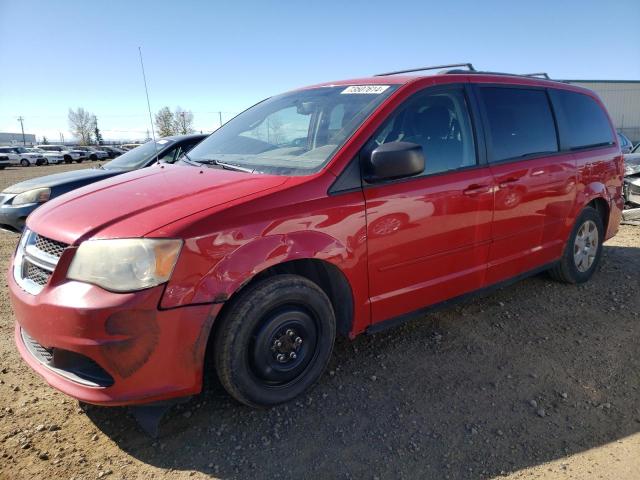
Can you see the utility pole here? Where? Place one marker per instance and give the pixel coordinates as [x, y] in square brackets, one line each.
[184, 125]
[21, 119]
[220, 117]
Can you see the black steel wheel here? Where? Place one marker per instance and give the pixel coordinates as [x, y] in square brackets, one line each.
[274, 340]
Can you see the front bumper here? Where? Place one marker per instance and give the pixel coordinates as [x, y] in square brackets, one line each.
[148, 354]
[13, 219]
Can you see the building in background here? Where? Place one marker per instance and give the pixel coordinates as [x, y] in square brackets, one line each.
[16, 138]
[622, 99]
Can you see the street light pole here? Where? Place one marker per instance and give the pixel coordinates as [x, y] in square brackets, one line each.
[21, 119]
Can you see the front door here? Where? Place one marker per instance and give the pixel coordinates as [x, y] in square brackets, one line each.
[428, 236]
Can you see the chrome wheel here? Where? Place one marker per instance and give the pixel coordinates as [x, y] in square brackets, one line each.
[585, 246]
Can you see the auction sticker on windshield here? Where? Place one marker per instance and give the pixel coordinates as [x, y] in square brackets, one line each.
[366, 89]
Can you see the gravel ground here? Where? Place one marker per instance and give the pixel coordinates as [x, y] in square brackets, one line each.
[538, 380]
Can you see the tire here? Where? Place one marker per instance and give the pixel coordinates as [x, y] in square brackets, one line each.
[25, 163]
[67, 159]
[46, 162]
[578, 269]
[2, 168]
[79, 160]
[93, 158]
[285, 315]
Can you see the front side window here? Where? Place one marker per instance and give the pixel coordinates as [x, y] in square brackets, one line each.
[583, 123]
[438, 121]
[140, 156]
[520, 123]
[296, 133]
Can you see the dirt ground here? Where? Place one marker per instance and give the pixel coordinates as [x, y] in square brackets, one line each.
[538, 380]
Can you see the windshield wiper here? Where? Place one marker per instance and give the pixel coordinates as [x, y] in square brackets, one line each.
[228, 166]
[188, 160]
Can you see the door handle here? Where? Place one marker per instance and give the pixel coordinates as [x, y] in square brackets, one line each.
[476, 189]
[505, 182]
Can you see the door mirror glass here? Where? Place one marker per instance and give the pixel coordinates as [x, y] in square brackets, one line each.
[394, 160]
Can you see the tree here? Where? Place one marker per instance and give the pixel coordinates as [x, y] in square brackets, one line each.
[184, 121]
[178, 122]
[44, 140]
[165, 122]
[96, 131]
[81, 125]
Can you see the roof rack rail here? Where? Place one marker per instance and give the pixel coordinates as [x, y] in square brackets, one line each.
[435, 67]
[537, 74]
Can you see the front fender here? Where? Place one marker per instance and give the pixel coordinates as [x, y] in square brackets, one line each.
[212, 268]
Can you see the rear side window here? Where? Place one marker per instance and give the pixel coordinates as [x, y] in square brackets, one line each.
[520, 123]
[582, 122]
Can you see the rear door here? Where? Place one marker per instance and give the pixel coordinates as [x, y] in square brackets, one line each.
[535, 182]
[428, 236]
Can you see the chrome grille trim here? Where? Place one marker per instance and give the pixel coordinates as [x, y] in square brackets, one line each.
[35, 260]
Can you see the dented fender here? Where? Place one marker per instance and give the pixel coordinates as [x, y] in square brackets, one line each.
[230, 268]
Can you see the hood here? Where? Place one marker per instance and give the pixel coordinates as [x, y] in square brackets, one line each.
[138, 202]
[60, 179]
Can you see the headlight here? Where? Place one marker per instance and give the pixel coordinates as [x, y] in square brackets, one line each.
[125, 265]
[38, 195]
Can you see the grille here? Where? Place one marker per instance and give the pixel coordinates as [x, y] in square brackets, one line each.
[52, 247]
[71, 365]
[36, 274]
[41, 353]
[35, 260]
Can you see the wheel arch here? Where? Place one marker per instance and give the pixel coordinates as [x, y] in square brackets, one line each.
[602, 207]
[331, 280]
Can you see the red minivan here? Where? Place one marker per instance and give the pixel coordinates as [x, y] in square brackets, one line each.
[336, 209]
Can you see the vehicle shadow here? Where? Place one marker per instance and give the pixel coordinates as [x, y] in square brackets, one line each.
[533, 373]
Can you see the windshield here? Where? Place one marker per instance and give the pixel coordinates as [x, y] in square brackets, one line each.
[296, 133]
[636, 149]
[139, 156]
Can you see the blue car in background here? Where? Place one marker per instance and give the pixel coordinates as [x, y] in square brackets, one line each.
[20, 199]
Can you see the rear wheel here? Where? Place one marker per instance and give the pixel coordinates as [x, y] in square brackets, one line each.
[24, 162]
[274, 341]
[583, 250]
[67, 159]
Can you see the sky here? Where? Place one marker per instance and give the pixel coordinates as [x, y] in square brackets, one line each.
[211, 56]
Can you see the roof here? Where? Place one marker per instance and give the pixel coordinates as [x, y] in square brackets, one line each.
[602, 81]
[474, 76]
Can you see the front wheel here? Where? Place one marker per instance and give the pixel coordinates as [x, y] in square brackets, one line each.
[79, 160]
[583, 250]
[24, 162]
[274, 341]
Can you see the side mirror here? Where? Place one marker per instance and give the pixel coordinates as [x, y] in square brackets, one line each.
[394, 160]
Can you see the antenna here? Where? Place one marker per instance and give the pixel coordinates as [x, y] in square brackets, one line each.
[146, 90]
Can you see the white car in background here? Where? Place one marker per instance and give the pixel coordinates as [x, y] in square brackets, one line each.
[69, 155]
[51, 158]
[22, 156]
